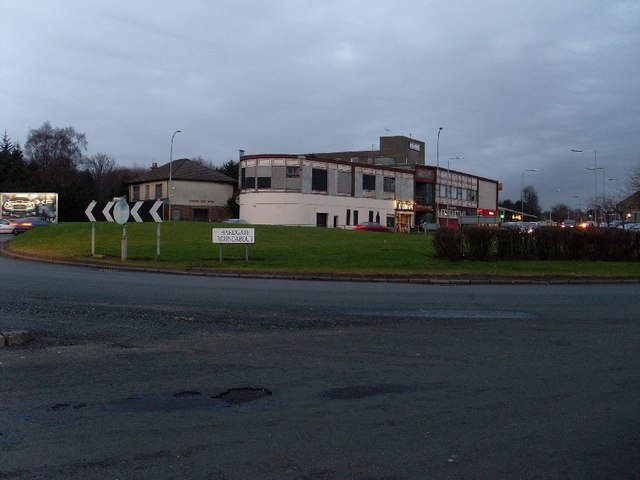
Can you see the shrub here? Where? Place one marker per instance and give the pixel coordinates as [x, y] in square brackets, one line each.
[509, 244]
[479, 242]
[548, 243]
[449, 243]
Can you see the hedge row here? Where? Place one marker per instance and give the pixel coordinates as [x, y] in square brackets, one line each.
[544, 243]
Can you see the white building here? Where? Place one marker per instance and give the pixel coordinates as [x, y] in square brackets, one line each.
[314, 191]
[391, 186]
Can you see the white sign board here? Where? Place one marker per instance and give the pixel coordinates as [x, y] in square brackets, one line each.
[234, 235]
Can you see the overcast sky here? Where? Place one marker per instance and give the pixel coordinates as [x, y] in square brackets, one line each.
[515, 84]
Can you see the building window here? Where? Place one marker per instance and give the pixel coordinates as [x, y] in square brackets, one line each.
[355, 217]
[264, 182]
[200, 214]
[249, 182]
[348, 217]
[368, 182]
[136, 193]
[147, 194]
[319, 180]
[293, 172]
[159, 190]
[371, 215]
[389, 184]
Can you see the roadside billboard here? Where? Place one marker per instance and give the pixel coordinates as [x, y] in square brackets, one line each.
[29, 204]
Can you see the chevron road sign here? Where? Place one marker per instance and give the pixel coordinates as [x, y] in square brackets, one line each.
[141, 211]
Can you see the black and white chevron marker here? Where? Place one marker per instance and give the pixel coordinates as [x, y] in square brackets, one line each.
[141, 211]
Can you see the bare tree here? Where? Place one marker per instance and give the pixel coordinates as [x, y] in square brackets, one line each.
[633, 180]
[55, 153]
[102, 169]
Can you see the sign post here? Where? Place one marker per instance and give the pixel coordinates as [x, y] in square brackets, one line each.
[121, 211]
[225, 236]
[121, 215]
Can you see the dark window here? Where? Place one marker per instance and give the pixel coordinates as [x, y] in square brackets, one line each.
[264, 182]
[246, 182]
[355, 217]
[319, 180]
[348, 217]
[321, 219]
[293, 172]
[136, 192]
[369, 182]
[371, 215]
[158, 191]
[389, 184]
[201, 214]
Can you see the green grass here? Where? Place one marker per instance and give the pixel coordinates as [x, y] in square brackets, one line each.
[303, 250]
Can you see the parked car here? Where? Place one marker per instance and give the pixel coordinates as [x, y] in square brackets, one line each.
[372, 227]
[527, 227]
[6, 226]
[27, 223]
[234, 220]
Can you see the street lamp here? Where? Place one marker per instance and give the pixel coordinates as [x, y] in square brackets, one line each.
[522, 189]
[437, 174]
[449, 185]
[603, 187]
[595, 167]
[171, 171]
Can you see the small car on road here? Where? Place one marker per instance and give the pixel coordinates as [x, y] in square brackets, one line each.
[27, 223]
[6, 226]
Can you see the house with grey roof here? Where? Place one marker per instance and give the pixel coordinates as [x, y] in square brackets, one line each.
[191, 191]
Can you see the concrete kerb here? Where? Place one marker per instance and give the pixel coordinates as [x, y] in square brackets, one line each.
[425, 280]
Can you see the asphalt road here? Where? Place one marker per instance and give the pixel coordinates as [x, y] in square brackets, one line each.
[136, 375]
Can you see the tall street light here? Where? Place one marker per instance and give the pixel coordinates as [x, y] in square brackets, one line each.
[604, 200]
[595, 167]
[522, 189]
[171, 171]
[437, 174]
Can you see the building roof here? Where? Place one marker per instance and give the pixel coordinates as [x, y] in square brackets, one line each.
[632, 202]
[183, 169]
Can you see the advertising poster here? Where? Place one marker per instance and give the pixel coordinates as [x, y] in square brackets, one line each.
[20, 205]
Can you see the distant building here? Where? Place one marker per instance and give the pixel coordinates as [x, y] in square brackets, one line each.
[391, 186]
[197, 192]
[629, 208]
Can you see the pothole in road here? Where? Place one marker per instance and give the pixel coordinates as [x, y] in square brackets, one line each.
[188, 399]
[236, 396]
[362, 391]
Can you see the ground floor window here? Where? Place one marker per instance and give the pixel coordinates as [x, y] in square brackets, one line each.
[321, 219]
[200, 214]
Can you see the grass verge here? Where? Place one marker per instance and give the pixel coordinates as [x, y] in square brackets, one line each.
[279, 250]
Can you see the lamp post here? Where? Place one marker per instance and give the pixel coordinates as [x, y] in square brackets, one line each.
[595, 167]
[522, 189]
[171, 172]
[595, 172]
[437, 175]
[449, 185]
